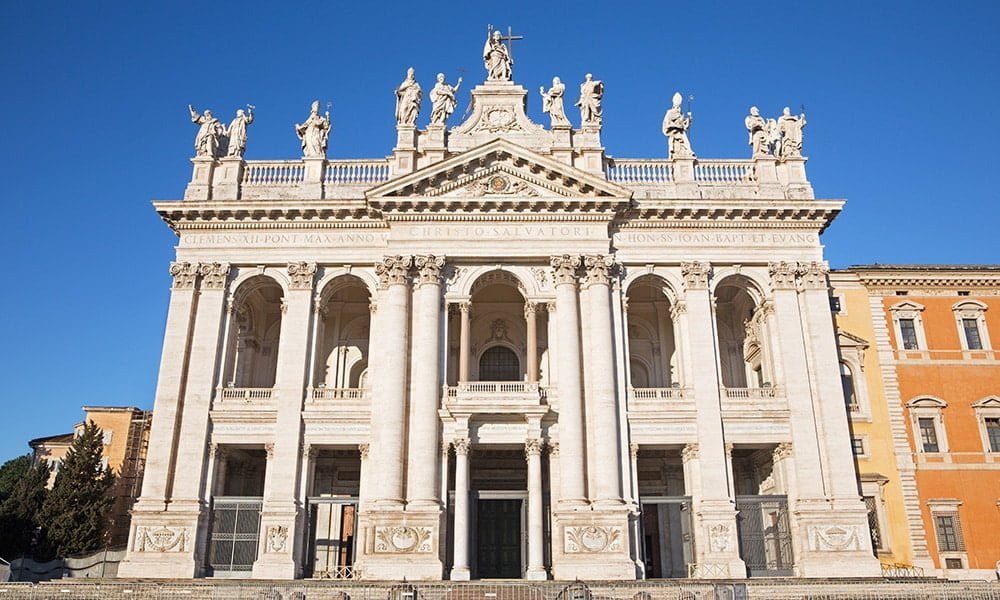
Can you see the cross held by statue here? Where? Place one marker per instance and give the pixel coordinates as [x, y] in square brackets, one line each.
[509, 38]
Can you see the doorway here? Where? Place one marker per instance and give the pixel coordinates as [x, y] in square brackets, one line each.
[498, 535]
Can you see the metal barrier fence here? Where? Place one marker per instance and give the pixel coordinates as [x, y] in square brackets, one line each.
[770, 589]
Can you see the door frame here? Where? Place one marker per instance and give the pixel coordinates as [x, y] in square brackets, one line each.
[658, 501]
[478, 495]
[309, 564]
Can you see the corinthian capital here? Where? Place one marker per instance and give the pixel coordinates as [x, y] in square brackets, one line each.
[184, 274]
[564, 268]
[302, 275]
[213, 275]
[393, 270]
[532, 447]
[695, 275]
[429, 268]
[782, 275]
[599, 268]
[462, 445]
[813, 274]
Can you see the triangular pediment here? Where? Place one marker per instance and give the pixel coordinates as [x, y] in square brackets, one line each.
[496, 174]
[846, 339]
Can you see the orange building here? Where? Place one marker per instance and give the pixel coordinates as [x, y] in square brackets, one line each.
[126, 437]
[934, 326]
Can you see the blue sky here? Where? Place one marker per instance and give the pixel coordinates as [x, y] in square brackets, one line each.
[901, 100]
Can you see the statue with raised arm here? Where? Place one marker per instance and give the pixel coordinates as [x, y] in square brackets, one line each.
[757, 132]
[314, 133]
[497, 59]
[237, 132]
[675, 127]
[791, 133]
[552, 102]
[211, 134]
[408, 96]
[443, 101]
[591, 94]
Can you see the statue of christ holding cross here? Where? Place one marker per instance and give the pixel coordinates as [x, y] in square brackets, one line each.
[497, 57]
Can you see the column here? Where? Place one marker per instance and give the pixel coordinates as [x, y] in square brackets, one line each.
[536, 534]
[460, 568]
[714, 509]
[570, 386]
[169, 387]
[530, 308]
[606, 434]
[425, 388]
[188, 490]
[389, 383]
[463, 341]
[283, 506]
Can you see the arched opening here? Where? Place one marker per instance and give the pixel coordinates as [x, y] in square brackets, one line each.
[499, 363]
[850, 391]
[343, 331]
[252, 355]
[744, 358]
[653, 357]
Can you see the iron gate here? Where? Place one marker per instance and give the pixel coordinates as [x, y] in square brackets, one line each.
[235, 534]
[765, 538]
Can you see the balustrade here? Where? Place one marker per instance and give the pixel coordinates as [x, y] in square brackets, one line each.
[725, 172]
[273, 172]
[638, 171]
[325, 393]
[246, 394]
[344, 172]
[752, 393]
[657, 393]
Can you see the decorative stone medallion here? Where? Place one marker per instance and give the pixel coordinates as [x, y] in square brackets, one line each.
[277, 538]
[719, 538]
[592, 539]
[497, 119]
[403, 540]
[835, 538]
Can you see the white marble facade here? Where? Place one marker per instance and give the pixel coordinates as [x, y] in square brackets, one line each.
[499, 353]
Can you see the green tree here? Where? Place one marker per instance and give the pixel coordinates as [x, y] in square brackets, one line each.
[74, 512]
[12, 472]
[19, 512]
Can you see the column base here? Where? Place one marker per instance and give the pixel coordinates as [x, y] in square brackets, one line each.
[165, 543]
[592, 544]
[400, 544]
[279, 528]
[460, 574]
[717, 553]
[536, 574]
[834, 542]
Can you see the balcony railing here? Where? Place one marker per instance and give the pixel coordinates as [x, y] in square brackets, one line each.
[325, 393]
[761, 393]
[497, 387]
[248, 395]
[493, 392]
[670, 393]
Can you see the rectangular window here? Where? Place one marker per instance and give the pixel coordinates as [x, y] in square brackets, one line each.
[872, 506]
[993, 433]
[953, 563]
[928, 434]
[858, 445]
[834, 304]
[908, 329]
[972, 339]
[949, 533]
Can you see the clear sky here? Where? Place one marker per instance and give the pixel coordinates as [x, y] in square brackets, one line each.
[901, 100]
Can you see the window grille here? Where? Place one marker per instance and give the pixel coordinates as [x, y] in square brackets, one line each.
[499, 363]
[953, 563]
[871, 504]
[949, 533]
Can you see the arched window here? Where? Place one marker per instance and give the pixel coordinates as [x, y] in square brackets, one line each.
[499, 363]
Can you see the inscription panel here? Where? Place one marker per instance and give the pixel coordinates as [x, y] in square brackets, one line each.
[715, 238]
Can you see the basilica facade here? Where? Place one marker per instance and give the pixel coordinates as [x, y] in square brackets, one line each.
[499, 353]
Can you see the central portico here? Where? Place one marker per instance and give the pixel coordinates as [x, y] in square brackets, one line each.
[499, 353]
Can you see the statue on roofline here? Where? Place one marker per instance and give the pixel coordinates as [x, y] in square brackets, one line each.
[591, 94]
[314, 133]
[408, 97]
[443, 101]
[237, 132]
[552, 102]
[675, 127]
[791, 128]
[757, 132]
[497, 59]
[211, 136]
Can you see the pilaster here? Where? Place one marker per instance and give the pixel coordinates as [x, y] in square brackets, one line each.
[405, 153]
[227, 178]
[200, 186]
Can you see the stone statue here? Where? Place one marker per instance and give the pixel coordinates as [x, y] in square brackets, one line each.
[552, 102]
[757, 132]
[497, 58]
[591, 93]
[211, 134]
[443, 101]
[314, 133]
[675, 127]
[237, 132]
[791, 133]
[408, 96]
[773, 137]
